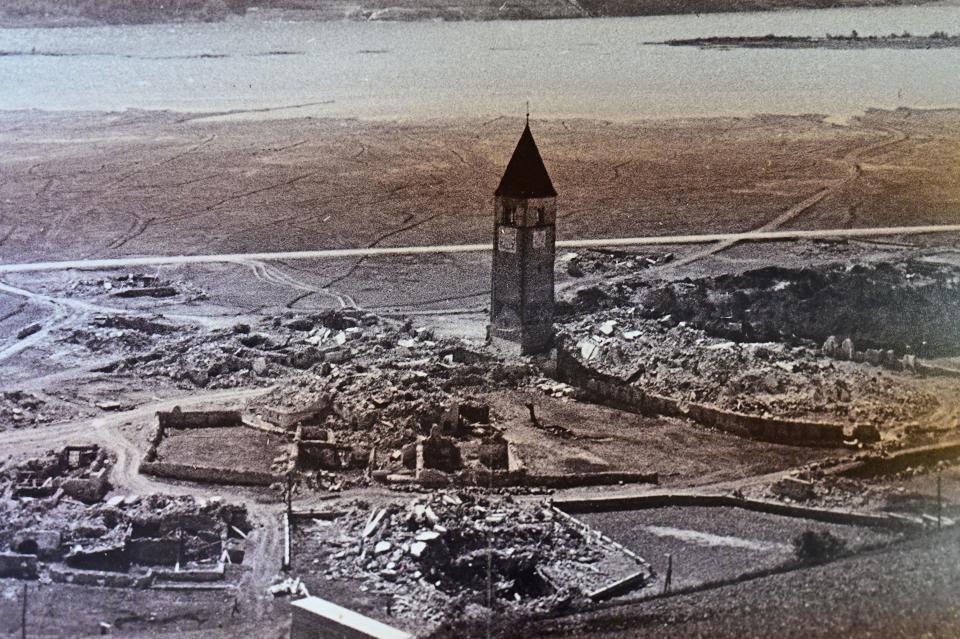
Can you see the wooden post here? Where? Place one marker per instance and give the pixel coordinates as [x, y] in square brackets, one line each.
[669, 577]
[939, 499]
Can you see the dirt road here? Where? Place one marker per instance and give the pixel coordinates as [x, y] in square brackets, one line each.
[764, 234]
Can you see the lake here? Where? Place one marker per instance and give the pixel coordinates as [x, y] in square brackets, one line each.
[597, 68]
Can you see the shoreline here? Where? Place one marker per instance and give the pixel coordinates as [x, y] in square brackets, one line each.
[267, 116]
[478, 11]
[939, 40]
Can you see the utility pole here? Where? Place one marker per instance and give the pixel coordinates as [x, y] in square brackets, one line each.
[23, 614]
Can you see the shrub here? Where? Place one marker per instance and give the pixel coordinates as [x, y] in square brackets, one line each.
[816, 547]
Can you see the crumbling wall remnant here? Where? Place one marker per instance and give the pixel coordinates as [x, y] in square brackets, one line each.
[208, 474]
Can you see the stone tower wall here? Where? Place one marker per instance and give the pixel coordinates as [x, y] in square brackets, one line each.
[523, 288]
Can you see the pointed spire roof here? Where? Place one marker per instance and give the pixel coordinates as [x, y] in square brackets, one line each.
[526, 176]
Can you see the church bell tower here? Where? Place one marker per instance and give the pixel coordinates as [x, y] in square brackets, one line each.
[525, 215]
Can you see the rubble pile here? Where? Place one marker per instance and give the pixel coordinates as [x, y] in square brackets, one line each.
[81, 472]
[392, 400]
[134, 285]
[246, 355]
[19, 408]
[678, 361]
[40, 515]
[606, 263]
[120, 333]
[904, 306]
[444, 551]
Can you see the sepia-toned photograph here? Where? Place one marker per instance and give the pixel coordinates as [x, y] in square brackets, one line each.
[480, 319]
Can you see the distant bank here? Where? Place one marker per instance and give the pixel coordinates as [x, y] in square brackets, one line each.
[64, 13]
[937, 40]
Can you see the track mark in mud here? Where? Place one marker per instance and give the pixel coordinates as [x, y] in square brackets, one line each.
[459, 156]
[436, 300]
[14, 312]
[240, 196]
[281, 149]
[136, 230]
[851, 159]
[141, 169]
[616, 168]
[273, 275]
[350, 271]
[175, 185]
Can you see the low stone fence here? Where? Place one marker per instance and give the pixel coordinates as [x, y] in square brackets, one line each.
[638, 502]
[931, 370]
[901, 460]
[611, 390]
[198, 419]
[771, 429]
[521, 477]
[208, 474]
[99, 578]
[614, 392]
[574, 480]
[215, 573]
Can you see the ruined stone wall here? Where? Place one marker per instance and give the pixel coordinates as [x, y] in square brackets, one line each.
[575, 505]
[771, 429]
[212, 475]
[198, 419]
[288, 419]
[88, 489]
[16, 565]
[614, 392]
[901, 460]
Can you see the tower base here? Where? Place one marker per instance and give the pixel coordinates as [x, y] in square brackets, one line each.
[516, 342]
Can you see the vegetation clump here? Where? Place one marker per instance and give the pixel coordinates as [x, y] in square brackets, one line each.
[813, 547]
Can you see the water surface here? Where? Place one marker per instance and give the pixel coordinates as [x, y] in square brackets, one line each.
[598, 68]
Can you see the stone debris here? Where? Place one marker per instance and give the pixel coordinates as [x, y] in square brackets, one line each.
[132, 285]
[762, 378]
[19, 409]
[289, 586]
[432, 553]
[28, 330]
[45, 518]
